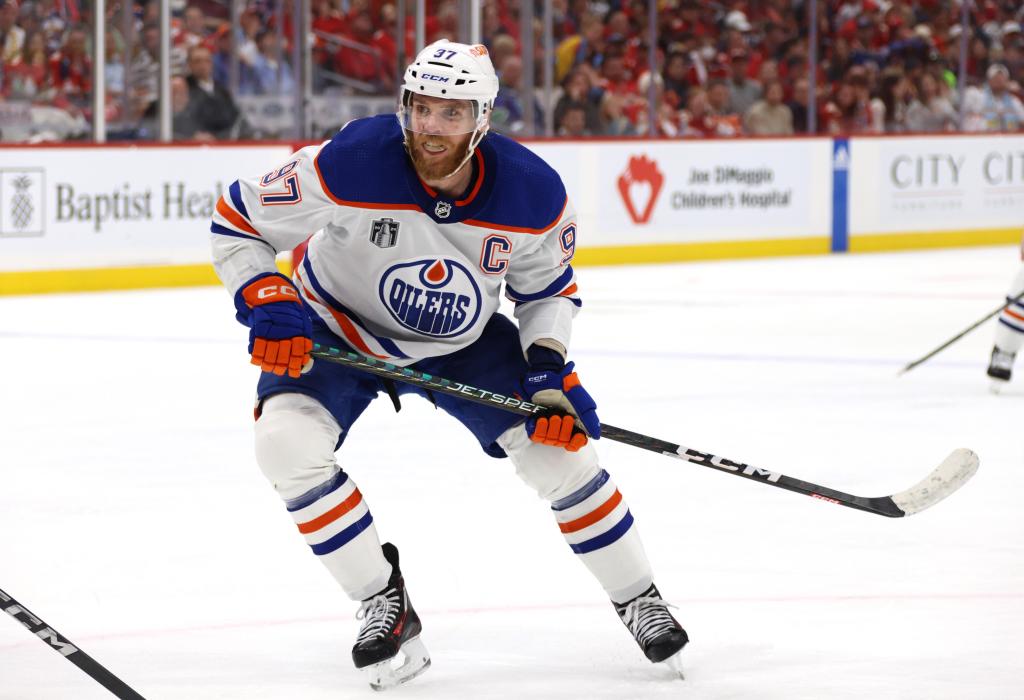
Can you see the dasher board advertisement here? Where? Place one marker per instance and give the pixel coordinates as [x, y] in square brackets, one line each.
[926, 184]
[646, 192]
[63, 208]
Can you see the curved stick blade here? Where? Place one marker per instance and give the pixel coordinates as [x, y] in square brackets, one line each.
[953, 473]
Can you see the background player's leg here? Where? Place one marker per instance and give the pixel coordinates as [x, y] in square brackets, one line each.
[295, 442]
[1009, 336]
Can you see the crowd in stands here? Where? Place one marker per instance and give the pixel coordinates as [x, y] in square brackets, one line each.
[742, 68]
[721, 69]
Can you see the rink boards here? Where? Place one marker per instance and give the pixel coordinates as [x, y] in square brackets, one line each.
[78, 218]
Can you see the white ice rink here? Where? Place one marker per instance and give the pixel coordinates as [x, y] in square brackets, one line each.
[134, 520]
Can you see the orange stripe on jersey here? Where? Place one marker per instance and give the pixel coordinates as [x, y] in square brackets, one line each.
[347, 203]
[236, 219]
[479, 181]
[333, 514]
[568, 291]
[1013, 314]
[348, 329]
[593, 516]
[518, 229]
[430, 190]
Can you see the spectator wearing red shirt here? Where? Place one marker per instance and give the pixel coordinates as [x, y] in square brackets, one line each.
[697, 117]
[366, 63]
[615, 78]
[71, 71]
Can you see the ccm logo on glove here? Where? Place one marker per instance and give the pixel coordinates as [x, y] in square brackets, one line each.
[280, 331]
[273, 292]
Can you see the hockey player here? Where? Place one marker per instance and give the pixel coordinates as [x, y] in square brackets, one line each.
[419, 222]
[1009, 332]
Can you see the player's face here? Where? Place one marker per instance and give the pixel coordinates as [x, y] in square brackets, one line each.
[440, 117]
[439, 134]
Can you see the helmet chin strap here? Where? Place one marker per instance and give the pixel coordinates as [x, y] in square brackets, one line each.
[474, 141]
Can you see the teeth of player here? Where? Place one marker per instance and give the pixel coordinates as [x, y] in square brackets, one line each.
[433, 147]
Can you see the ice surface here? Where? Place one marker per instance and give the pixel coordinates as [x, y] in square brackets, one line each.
[134, 520]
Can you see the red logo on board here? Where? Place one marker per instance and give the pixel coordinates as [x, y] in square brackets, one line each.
[641, 180]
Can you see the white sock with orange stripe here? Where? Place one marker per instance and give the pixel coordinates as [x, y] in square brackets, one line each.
[598, 526]
[591, 513]
[338, 527]
[1010, 329]
[295, 441]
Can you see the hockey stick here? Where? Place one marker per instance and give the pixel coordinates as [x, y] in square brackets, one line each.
[66, 649]
[960, 335]
[950, 475]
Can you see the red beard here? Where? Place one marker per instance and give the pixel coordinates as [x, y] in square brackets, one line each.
[437, 167]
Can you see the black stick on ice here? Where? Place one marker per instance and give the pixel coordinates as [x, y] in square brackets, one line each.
[69, 651]
[951, 474]
[961, 334]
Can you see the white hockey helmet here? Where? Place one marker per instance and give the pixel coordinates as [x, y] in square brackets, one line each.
[453, 71]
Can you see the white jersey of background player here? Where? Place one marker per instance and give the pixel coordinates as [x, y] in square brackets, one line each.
[1009, 335]
[420, 222]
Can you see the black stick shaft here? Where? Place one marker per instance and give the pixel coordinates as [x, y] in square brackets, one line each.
[65, 648]
[961, 334]
[882, 505]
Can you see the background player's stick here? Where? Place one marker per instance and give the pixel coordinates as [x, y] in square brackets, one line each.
[954, 471]
[66, 649]
[961, 334]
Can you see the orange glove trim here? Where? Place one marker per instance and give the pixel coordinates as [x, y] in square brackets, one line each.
[282, 356]
[559, 431]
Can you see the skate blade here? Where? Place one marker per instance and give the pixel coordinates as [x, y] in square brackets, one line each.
[996, 386]
[675, 664]
[412, 660]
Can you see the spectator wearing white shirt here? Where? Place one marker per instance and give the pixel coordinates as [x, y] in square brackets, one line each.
[993, 107]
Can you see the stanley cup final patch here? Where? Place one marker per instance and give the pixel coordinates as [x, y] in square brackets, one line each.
[384, 233]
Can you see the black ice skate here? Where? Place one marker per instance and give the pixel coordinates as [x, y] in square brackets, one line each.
[659, 635]
[1001, 365]
[390, 627]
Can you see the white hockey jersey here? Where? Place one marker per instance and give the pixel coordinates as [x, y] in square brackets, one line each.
[397, 270]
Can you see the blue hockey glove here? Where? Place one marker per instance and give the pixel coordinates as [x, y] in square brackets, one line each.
[550, 382]
[280, 331]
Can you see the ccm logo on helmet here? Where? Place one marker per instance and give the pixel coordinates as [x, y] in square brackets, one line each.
[431, 76]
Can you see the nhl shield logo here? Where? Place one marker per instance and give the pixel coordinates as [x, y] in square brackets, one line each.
[384, 233]
[442, 210]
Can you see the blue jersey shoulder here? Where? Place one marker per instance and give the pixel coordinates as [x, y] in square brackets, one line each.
[527, 192]
[364, 160]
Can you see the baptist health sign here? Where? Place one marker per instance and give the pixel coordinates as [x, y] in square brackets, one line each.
[22, 202]
[82, 208]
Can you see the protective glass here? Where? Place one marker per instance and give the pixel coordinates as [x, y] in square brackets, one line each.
[438, 116]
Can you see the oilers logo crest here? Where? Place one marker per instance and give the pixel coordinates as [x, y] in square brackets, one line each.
[435, 297]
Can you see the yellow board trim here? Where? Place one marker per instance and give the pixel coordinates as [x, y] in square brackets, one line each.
[873, 243]
[155, 276]
[111, 278]
[716, 250]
